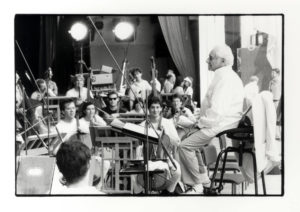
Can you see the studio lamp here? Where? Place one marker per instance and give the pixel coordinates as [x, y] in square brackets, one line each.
[79, 32]
[124, 31]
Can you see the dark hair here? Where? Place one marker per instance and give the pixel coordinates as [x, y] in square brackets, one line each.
[111, 93]
[177, 96]
[72, 160]
[47, 73]
[62, 104]
[154, 100]
[84, 106]
[133, 70]
[40, 81]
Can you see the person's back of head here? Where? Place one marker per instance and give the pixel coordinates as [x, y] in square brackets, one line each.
[73, 159]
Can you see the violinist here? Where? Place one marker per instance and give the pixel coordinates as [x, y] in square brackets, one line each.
[180, 108]
[170, 140]
[140, 86]
[79, 91]
[42, 90]
[90, 117]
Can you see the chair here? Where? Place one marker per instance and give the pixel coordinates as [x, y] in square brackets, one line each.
[245, 138]
[210, 157]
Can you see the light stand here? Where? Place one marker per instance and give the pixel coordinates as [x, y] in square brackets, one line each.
[148, 123]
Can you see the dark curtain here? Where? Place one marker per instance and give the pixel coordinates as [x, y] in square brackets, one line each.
[47, 47]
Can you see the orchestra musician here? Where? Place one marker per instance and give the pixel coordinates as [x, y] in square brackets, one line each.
[90, 116]
[68, 124]
[140, 86]
[79, 130]
[220, 110]
[188, 86]
[42, 91]
[137, 106]
[168, 181]
[51, 84]
[155, 81]
[169, 82]
[79, 91]
[114, 106]
[73, 161]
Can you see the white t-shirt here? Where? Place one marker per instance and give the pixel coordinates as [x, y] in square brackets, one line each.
[70, 128]
[74, 93]
[140, 88]
[189, 91]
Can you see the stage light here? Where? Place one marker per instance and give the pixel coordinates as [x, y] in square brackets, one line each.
[123, 30]
[78, 31]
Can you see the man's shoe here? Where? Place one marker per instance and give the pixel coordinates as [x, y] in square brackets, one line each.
[196, 189]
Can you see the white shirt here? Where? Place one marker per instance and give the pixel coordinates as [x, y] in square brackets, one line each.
[140, 88]
[74, 93]
[70, 128]
[84, 125]
[222, 106]
[189, 91]
[157, 85]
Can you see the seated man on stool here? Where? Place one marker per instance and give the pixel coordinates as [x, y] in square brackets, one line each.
[73, 161]
[166, 182]
[221, 109]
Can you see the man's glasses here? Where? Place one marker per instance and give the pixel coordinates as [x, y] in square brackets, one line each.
[113, 98]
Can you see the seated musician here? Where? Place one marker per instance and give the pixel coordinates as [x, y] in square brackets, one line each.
[138, 107]
[169, 82]
[114, 105]
[78, 130]
[73, 161]
[181, 109]
[79, 91]
[170, 140]
[155, 81]
[68, 124]
[42, 91]
[90, 116]
[220, 110]
[51, 84]
[187, 85]
[140, 86]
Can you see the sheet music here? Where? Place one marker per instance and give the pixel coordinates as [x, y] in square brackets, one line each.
[141, 130]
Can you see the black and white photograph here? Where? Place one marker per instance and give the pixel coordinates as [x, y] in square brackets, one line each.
[144, 107]
[163, 105]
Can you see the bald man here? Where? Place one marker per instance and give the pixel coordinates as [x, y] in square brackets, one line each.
[221, 109]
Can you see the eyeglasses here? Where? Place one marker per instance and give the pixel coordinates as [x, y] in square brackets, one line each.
[113, 98]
